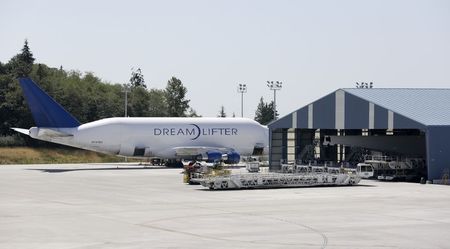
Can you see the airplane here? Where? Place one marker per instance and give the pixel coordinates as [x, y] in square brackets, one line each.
[175, 139]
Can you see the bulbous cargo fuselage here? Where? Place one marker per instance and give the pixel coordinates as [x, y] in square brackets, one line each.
[167, 137]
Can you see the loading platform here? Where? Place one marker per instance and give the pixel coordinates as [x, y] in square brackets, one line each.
[316, 176]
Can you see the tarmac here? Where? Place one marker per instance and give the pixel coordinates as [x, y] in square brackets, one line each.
[87, 206]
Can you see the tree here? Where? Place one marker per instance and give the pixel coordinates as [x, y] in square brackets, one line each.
[270, 107]
[2, 68]
[13, 111]
[26, 54]
[41, 71]
[139, 96]
[22, 64]
[177, 103]
[192, 113]
[137, 78]
[222, 113]
[139, 102]
[157, 103]
[264, 112]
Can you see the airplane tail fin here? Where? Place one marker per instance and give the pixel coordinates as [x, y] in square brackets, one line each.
[46, 111]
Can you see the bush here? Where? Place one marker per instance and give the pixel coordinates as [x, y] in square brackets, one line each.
[12, 140]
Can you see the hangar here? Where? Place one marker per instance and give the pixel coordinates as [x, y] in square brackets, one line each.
[402, 122]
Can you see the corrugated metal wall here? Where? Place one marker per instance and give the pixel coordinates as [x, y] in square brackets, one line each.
[438, 152]
[341, 110]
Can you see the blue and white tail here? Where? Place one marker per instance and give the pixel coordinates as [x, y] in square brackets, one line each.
[46, 111]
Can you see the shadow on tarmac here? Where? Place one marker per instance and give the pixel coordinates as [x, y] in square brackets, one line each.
[62, 170]
[285, 187]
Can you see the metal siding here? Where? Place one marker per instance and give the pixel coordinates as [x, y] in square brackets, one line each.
[276, 143]
[284, 145]
[294, 119]
[284, 122]
[290, 157]
[356, 112]
[310, 115]
[324, 112]
[390, 120]
[381, 118]
[438, 151]
[423, 106]
[302, 117]
[340, 110]
[426, 106]
[270, 145]
[402, 122]
[371, 115]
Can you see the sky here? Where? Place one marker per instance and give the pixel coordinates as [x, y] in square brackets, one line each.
[313, 47]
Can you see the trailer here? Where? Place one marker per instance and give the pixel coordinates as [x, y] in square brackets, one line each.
[308, 177]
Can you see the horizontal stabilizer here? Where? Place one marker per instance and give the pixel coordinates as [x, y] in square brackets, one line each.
[44, 132]
[46, 111]
[36, 132]
[21, 130]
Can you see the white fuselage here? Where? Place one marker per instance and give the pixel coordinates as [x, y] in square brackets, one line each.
[163, 137]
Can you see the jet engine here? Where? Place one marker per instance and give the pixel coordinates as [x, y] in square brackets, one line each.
[213, 156]
[232, 158]
[217, 156]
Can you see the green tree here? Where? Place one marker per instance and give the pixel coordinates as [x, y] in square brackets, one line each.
[192, 113]
[177, 103]
[22, 64]
[26, 54]
[222, 113]
[2, 68]
[139, 102]
[157, 103]
[13, 111]
[264, 112]
[41, 71]
[137, 78]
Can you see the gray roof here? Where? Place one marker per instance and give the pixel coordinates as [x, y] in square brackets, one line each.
[424, 105]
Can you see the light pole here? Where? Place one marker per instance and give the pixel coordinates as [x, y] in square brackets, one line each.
[364, 85]
[242, 89]
[274, 86]
[126, 90]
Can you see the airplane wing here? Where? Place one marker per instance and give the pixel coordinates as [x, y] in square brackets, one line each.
[208, 154]
[199, 150]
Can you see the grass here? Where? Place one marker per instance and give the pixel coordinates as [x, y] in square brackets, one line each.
[27, 155]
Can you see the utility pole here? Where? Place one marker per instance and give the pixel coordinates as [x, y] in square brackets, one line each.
[242, 89]
[274, 86]
[126, 90]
